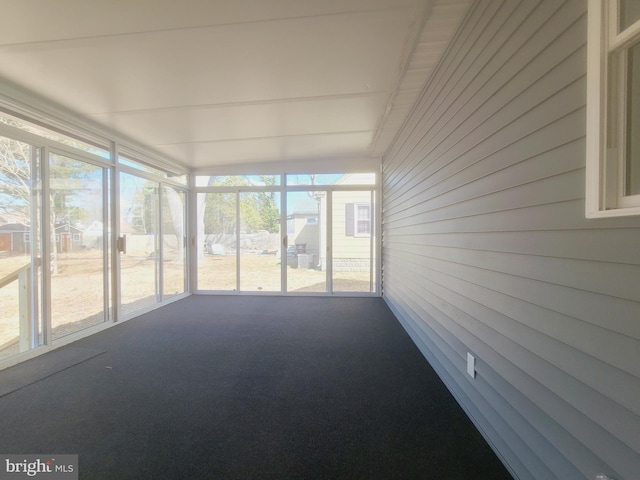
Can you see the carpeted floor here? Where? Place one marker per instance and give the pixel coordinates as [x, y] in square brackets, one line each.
[247, 388]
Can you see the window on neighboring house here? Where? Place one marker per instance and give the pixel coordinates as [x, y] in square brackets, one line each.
[362, 219]
[76, 237]
[312, 220]
[26, 237]
[358, 219]
[613, 108]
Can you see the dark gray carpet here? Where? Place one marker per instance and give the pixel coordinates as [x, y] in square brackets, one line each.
[251, 388]
[44, 366]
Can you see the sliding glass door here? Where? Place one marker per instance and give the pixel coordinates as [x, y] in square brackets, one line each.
[174, 241]
[298, 234]
[21, 273]
[306, 242]
[353, 235]
[140, 259]
[259, 242]
[78, 247]
[61, 276]
[216, 241]
[153, 242]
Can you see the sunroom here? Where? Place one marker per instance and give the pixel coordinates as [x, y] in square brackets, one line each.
[474, 163]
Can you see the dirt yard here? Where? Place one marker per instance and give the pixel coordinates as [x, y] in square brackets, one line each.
[77, 296]
[261, 273]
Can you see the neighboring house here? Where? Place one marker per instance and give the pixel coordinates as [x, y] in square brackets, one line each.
[15, 238]
[68, 238]
[93, 235]
[352, 227]
[352, 230]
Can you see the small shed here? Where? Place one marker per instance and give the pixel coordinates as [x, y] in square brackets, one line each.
[15, 238]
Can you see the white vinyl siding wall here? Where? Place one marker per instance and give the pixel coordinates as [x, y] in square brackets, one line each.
[486, 248]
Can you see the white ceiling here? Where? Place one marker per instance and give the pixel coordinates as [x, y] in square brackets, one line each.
[227, 82]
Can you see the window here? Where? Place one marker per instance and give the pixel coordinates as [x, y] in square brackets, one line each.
[75, 142]
[613, 109]
[312, 220]
[362, 218]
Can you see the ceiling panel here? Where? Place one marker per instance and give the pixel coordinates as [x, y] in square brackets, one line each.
[250, 120]
[271, 149]
[212, 82]
[46, 20]
[247, 62]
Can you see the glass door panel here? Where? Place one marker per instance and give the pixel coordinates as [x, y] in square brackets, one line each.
[260, 240]
[139, 264]
[217, 265]
[173, 241]
[78, 253]
[352, 241]
[306, 240]
[21, 326]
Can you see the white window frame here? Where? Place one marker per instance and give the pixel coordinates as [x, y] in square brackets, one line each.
[356, 206]
[606, 112]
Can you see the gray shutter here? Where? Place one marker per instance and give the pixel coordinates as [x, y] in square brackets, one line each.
[348, 216]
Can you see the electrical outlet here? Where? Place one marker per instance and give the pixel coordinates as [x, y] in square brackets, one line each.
[471, 365]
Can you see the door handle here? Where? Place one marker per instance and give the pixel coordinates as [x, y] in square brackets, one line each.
[122, 244]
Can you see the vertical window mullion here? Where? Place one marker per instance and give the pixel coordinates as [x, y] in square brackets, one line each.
[115, 233]
[329, 237]
[47, 258]
[237, 194]
[105, 242]
[160, 232]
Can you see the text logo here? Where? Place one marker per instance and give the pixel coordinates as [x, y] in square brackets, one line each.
[49, 467]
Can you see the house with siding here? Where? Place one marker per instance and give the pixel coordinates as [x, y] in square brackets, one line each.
[504, 254]
[353, 225]
[15, 238]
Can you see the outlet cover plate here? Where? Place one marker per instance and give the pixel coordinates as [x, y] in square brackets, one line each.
[471, 365]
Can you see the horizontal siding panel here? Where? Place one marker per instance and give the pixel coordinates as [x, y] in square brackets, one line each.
[450, 65]
[478, 401]
[480, 143]
[539, 430]
[542, 151]
[563, 328]
[454, 129]
[495, 206]
[593, 359]
[613, 246]
[536, 218]
[503, 113]
[581, 412]
[486, 248]
[596, 290]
